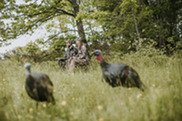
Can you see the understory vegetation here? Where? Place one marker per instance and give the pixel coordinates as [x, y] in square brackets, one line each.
[82, 96]
[145, 34]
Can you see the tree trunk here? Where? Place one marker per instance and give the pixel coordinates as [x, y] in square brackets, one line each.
[80, 28]
[79, 23]
[136, 27]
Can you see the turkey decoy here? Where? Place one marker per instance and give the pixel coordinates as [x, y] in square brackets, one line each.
[38, 86]
[118, 74]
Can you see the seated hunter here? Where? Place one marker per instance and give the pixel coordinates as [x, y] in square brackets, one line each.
[71, 51]
[82, 58]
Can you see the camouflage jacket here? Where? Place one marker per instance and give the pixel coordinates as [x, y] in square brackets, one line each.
[69, 53]
[83, 53]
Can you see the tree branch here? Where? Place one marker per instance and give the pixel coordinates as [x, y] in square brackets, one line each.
[38, 13]
[52, 37]
[64, 12]
[42, 20]
[49, 14]
[70, 1]
[33, 2]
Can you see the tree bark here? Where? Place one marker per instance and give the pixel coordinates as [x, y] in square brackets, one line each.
[79, 22]
[80, 28]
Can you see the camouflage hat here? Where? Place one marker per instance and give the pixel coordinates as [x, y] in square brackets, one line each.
[69, 41]
[80, 39]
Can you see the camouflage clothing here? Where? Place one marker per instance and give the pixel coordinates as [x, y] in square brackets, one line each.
[83, 55]
[69, 53]
[82, 58]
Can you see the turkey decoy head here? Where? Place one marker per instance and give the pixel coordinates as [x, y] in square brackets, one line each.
[98, 55]
[96, 52]
[27, 66]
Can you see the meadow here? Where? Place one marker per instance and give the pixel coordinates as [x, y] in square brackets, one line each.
[82, 96]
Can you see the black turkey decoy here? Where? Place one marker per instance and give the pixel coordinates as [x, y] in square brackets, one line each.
[118, 74]
[38, 86]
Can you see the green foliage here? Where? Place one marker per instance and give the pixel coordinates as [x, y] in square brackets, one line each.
[154, 20]
[40, 50]
[120, 25]
[31, 48]
[147, 48]
[82, 96]
[27, 16]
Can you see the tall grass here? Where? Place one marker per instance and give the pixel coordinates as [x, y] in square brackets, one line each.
[82, 96]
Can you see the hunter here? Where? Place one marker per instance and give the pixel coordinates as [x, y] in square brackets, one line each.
[71, 51]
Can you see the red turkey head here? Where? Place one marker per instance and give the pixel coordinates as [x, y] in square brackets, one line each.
[98, 55]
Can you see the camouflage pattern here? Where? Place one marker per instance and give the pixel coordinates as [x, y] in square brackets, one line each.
[70, 52]
[82, 58]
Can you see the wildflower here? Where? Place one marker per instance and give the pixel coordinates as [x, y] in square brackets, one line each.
[19, 116]
[99, 107]
[139, 95]
[30, 109]
[63, 103]
[101, 119]
[44, 105]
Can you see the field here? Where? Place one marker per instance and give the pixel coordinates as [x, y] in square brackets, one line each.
[83, 97]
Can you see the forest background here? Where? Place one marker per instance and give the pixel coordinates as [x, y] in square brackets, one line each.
[119, 26]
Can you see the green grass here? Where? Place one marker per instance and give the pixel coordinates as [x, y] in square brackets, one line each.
[83, 97]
